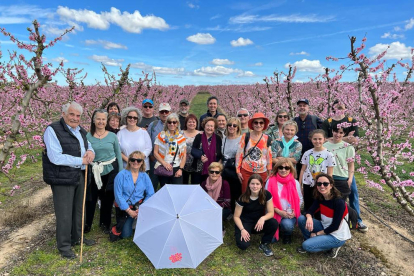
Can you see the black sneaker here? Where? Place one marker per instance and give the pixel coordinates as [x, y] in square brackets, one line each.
[85, 242]
[362, 227]
[333, 252]
[266, 249]
[68, 254]
[301, 250]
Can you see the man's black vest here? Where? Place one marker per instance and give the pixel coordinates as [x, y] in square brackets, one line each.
[63, 175]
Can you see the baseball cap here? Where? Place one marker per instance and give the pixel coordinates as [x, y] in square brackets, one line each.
[184, 101]
[306, 101]
[147, 101]
[164, 106]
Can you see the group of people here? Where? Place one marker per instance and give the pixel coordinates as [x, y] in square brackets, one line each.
[260, 174]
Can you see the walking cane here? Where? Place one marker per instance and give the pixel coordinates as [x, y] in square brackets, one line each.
[83, 211]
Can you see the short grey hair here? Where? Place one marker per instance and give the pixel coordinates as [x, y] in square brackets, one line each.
[172, 116]
[74, 105]
[102, 111]
[290, 123]
[243, 109]
[125, 111]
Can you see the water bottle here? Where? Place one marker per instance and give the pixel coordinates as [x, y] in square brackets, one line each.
[289, 210]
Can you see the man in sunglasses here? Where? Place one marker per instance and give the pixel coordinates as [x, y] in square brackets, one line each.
[147, 113]
[306, 123]
[183, 113]
[153, 130]
[212, 105]
[244, 115]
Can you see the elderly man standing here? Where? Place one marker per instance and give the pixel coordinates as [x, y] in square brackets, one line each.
[183, 113]
[212, 105]
[147, 113]
[244, 116]
[153, 129]
[67, 152]
[306, 123]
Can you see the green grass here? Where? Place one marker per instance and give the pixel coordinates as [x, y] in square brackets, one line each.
[198, 105]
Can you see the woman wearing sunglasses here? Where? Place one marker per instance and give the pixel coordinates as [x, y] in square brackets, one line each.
[254, 154]
[331, 232]
[105, 166]
[287, 146]
[132, 187]
[206, 149]
[229, 149]
[133, 138]
[218, 188]
[276, 131]
[287, 197]
[170, 150]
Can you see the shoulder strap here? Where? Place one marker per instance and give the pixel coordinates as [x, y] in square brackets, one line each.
[154, 123]
[251, 149]
[246, 140]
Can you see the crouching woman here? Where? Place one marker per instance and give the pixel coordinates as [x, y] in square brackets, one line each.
[132, 187]
[253, 214]
[331, 232]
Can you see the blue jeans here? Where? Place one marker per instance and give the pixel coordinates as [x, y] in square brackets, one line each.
[287, 225]
[318, 243]
[354, 198]
[127, 230]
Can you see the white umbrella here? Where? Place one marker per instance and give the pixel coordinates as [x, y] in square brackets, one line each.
[179, 226]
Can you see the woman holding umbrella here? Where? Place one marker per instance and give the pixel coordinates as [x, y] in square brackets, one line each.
[132, 187]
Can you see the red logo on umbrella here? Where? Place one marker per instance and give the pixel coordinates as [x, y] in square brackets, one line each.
[176, 257]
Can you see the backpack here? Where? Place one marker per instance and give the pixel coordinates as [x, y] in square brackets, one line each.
[352, 217]
[154, 123]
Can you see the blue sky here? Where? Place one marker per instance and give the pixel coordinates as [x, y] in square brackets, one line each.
[212, 42]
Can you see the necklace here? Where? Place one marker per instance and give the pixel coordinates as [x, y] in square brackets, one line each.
[100, 135]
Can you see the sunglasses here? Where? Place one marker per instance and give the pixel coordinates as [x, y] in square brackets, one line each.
[231, 125]
[322, 183]
[132, 118]
[258, 123]
[242, 115]
[147, 106]
[164, 111]
[133, 160]
[172, 122]
[214, 172]
[283, 116]
[287, 168]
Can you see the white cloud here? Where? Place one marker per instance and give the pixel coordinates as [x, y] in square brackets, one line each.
[60, 59]
[241, 42]
[293, 18]
[397, 50]
[215, 16]
[107, 61]
[257, 64]
[13, 20]
[410, 24]
[397, 29]
[221, 71]
[305, 65]
[218, 61]
[392, 36]
[202, 38]
[106, 44]
[18, 14]
[241, 29]
[192, 6]
[303, 53]
[158, 70]
[130, 22]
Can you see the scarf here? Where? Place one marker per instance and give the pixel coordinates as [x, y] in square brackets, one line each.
[288, 193]
[209, 151]
[286, 146]
[214, 189]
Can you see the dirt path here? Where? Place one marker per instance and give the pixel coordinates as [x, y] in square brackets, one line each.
[20, 240]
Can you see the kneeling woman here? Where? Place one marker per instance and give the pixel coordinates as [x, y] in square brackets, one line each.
[132, 187]
[254, 213]
[287, 197]
[331, 232]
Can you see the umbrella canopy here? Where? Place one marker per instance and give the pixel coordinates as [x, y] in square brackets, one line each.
[179, 226]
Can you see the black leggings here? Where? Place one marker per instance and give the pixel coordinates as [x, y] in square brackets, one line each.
[269, 229]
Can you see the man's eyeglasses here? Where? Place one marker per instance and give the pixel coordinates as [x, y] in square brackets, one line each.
[242, 115]
[164, 111]
[147, 106]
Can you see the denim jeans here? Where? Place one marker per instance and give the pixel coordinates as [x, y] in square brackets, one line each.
[354, 198]
[287, 225]
[127, 230]
[318, 243]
